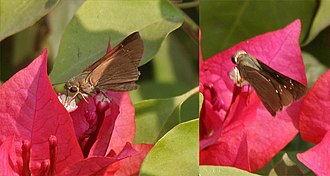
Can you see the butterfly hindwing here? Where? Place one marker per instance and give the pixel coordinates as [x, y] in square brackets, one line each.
[296, 89]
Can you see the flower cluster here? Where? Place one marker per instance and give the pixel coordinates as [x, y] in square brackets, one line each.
[235, 127]
[39, 136]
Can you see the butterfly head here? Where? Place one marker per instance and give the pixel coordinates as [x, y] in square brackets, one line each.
[236, 57]
[71, 87]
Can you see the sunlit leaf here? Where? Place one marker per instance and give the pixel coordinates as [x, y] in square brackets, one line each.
[321, 20]
[222, 170]
[176, 153]
[201, 99]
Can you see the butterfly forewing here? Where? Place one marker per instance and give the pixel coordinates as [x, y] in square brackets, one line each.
[265, 91]
[118, 70]
[128, 39]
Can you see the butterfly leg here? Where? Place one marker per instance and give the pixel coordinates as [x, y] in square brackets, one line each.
[66, 102]
[248, 96]
[105, 95]
[73, 97]
[76, 95]
[83, 96]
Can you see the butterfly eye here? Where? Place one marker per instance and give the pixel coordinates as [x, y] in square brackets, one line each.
[233, 59]
[66, 86]
[238, 56]
[73, 89]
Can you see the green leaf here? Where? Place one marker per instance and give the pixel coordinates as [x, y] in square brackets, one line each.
[319, 47]
[176, 153]
[286, 167]
[176, 61]
[201, 100]
[222, 170]
[58, 20]
[189, 108]
[155, 117]
[321, 20]
[314, 69]
[225, 23]
[154, 90]
[17, 15]
[86, 36]
[24, 45]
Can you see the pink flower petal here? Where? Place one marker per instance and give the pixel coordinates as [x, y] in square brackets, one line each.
[124, 129]
[98, 165]
[118, 127]
[30, 110]
[8, 164]
[101, 144]
[315, 117]
[318, 158]
[79, 118]
[90, 166]
[131, 165]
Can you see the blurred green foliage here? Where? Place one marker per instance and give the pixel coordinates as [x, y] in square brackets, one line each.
[237, 20]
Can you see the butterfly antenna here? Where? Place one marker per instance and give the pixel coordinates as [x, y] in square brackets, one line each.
[57, 84]
[66, 98]
[109, 46]
[248, 96]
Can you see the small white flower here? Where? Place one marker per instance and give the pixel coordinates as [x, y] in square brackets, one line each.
[236, 77]
[67, 102]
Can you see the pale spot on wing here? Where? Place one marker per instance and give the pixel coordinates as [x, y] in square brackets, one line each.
[291, 83]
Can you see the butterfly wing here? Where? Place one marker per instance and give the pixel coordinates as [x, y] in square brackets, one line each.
[118, 70]
[296, 89]
[128, 39]
[261, 84]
